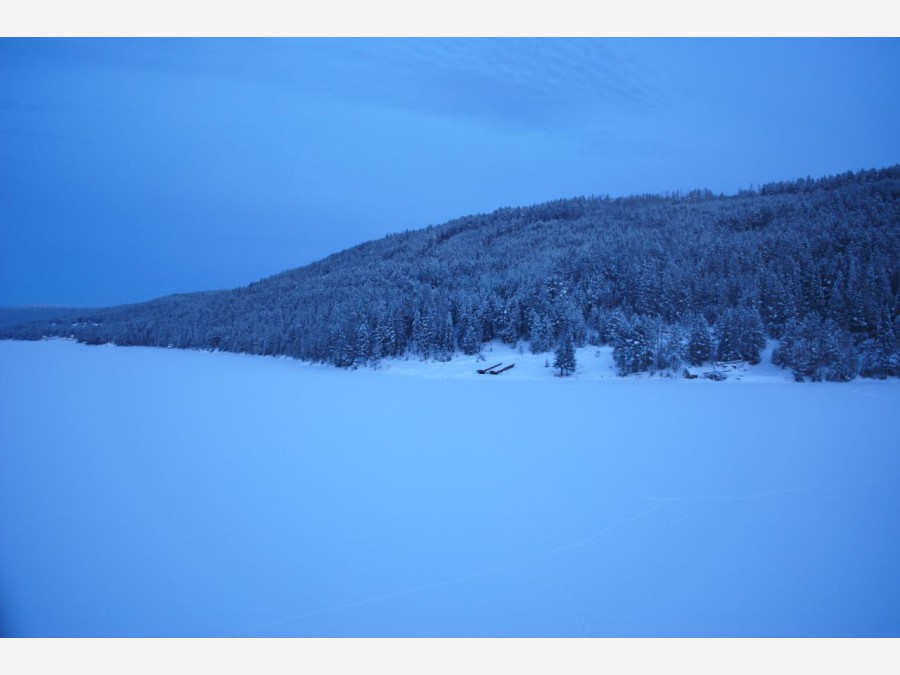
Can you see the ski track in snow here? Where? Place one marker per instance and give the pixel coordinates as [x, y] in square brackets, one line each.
[563, 583]
[774, 493]
[457, 580]
[597, 537]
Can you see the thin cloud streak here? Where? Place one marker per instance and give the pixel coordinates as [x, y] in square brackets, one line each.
[531, 83]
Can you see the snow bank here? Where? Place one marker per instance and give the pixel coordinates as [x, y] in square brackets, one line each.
[593, 363]
[149, 492]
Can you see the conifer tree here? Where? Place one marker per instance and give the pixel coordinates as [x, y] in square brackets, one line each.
[633, 348]
[565, 356]
[700, 344]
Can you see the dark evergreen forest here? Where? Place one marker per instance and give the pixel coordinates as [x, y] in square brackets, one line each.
[666, 280]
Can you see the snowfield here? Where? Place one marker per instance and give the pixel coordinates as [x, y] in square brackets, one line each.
[152, 492]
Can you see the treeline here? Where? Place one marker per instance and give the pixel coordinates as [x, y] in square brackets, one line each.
[666, 280]
[14, 316]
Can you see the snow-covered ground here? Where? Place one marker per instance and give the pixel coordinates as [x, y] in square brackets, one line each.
[593, 363]
[152, 492]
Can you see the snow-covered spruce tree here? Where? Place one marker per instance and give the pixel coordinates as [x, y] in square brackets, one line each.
[817, 349]
[673, 352]
[614, 325]
[362, 345]
[633, 347]
[564, 357]
[443, 339]
[881, 353]
[340, 349]
[506, 323]
[384, 339]
[700, 348]
[541, 333]
[838, 353]
[470, 337]
[741, 335]
[668, 345]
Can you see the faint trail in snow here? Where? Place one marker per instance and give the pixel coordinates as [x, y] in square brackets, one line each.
[563, 584]
[772, 493]
[460, 579]
[600, 536]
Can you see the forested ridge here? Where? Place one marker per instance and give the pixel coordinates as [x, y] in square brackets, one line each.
[667, 280]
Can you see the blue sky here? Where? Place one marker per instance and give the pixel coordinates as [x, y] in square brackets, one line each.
[131, 169]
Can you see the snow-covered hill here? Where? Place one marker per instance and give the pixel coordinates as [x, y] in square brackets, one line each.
[810, 262]
[151, 492]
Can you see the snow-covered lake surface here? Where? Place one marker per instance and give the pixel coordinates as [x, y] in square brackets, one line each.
[149, 492]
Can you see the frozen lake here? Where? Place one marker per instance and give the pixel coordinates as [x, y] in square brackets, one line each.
[148, 492]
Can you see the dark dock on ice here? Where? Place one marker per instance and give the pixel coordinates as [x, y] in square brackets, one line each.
[492, 369]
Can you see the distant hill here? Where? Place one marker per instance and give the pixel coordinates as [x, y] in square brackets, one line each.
[665, 279]
[14, 316]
